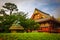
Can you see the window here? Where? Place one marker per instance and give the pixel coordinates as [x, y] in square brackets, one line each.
[42, 17]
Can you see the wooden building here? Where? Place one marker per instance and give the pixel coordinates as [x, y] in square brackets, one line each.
[47, 22]
[16, 28]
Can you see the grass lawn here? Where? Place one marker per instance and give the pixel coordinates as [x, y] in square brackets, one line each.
[30, 36]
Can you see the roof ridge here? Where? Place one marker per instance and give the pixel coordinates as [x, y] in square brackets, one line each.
[41, 11]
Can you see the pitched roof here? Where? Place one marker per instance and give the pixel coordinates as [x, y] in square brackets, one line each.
[41, 11]
[14, 27]
[47, 19]
[42, 20]
[37, 11]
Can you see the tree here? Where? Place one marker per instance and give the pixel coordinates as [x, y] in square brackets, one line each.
[30, 24]
[7, 21]
[11, 7]
[2, 11]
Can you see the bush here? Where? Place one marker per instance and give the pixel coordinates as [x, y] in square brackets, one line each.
[30, 36]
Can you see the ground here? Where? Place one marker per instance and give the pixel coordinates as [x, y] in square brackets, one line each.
[30, 36]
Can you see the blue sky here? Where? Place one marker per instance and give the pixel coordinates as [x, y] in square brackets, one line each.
[51, 7]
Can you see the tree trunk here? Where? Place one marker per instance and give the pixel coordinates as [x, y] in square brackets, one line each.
[10, 12]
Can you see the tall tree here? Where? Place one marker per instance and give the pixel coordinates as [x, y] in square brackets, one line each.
[11, 7]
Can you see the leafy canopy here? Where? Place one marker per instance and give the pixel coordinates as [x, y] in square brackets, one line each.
[10, 6]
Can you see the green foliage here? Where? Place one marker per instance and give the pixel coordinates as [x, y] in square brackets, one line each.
[25, 22]
[7, 21]
[2, 11]
[30, 36]
[11, 7]
[29, 24]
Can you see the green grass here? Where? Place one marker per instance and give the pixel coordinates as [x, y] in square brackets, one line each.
[30, 36]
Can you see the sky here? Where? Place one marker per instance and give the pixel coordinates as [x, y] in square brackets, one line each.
[51, 7]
